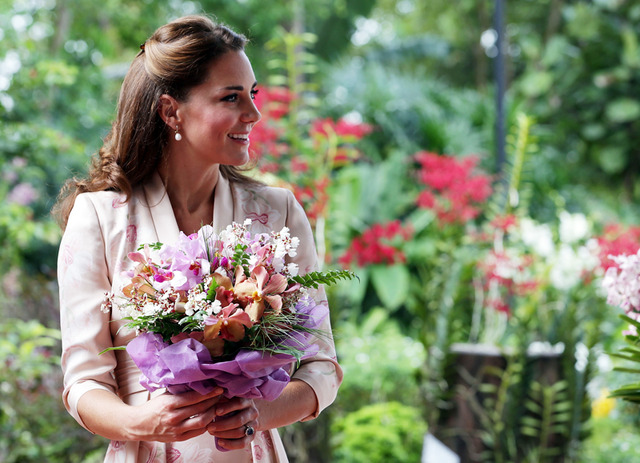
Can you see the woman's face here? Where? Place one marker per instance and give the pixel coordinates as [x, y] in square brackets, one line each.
[217, 116]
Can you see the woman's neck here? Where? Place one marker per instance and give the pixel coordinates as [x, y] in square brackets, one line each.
[191, 192]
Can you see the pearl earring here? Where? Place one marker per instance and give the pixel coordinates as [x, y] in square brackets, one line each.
[177, 136]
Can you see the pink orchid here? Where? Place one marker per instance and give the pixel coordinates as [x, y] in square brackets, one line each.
[224, 289]
[147, 269]
[229, 324]
[139, 285]
[259, 288]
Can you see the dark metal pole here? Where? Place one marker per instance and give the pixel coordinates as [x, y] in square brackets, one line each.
[500, 76]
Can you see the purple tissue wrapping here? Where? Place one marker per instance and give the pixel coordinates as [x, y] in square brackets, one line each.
[187, 365]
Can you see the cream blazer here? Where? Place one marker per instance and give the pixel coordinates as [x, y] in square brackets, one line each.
[101, 231]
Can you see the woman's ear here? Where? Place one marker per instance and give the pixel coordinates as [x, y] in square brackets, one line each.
[168, 110]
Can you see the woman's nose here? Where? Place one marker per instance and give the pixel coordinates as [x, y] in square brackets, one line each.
[252, 114]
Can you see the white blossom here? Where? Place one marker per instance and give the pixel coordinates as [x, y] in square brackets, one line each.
[537, 236]
[573, 227]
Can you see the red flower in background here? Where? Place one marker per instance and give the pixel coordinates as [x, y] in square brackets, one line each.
[264, 141]
[303, 157]
[314, 199]
[617, 239]
[348, 130]
[379, 244]
[504, 222]
[454, 191]
[273, 102]
[505, 277]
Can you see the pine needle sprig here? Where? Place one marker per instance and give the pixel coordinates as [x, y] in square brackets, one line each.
[276, 328]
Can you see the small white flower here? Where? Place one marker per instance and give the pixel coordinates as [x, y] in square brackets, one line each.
[190, 308]
[292, 269]
[214, 308]
[293, 250]
[278, 264]
[151, 309]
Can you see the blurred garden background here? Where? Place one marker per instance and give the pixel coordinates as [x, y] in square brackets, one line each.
[478, 314]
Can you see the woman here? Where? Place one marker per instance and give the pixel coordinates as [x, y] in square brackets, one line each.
[170, 164]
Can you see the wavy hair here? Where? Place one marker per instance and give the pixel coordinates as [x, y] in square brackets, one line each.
[172, 61]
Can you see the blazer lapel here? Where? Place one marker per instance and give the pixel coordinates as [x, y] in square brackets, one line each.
[223, 205]
[159, 206]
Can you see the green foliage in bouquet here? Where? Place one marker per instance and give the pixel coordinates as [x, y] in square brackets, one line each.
[330, 277]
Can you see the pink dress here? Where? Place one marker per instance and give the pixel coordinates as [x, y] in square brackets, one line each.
[101, 231]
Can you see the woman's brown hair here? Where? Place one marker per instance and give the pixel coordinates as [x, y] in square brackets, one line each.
[172, 61]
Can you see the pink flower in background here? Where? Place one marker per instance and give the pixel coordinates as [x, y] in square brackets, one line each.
[23, 194]
[19, 162]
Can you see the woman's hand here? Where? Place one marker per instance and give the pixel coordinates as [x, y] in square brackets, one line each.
[174, 418]
[233, 418]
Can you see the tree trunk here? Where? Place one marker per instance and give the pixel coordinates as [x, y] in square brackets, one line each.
[62, 26]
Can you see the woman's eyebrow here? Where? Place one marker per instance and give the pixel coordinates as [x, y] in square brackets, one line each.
[239, 87]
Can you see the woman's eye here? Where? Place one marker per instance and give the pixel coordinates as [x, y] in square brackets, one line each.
[232, 98]
[254, 92]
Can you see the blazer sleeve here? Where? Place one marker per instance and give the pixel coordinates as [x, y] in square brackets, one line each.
[322, 371]
[83, 278]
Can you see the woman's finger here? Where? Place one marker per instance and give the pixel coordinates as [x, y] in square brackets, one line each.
[193, 397]
[241, 432]
[227, 407]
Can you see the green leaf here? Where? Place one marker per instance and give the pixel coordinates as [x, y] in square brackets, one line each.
[562, 406]
[487, 388]
[536, 83]
[531, 432]
[627, 370]
[531, 422]
[630, 321]
[391, 284]
[612, 159]
[623, 110]
[533, 406]
[211, 293]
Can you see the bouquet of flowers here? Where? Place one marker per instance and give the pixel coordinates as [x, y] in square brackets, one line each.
[221, 310]
[622, 283]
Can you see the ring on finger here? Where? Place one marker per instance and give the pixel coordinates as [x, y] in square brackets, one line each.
[248, 430]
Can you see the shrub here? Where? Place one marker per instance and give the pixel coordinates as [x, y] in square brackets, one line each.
[382, 432]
